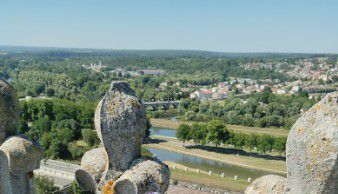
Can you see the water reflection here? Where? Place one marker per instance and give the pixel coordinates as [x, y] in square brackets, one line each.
[205, 164]
[163, 132]
[201, 163]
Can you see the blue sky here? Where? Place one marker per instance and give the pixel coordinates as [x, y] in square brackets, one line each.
[216, 25]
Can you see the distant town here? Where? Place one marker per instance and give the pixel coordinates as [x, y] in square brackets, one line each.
[314, 76]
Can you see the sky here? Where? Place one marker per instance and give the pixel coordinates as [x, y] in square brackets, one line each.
[302, 26]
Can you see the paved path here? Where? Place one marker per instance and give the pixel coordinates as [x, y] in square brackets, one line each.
[61, 172]
[181, 190]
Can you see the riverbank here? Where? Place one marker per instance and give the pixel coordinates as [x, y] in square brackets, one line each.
[170, 124]
[269, 165]
[205, 180]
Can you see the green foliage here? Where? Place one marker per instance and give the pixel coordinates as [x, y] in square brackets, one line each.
[146, 153]
[265, 143]
[50, 92]
[199, 133]
[43, 185]
[56, 124]
[76, 151]
[39, 127]
[90, 137]
[23, 126]
[183, 132]
[77, 189]
[216, 133]
[261, 109]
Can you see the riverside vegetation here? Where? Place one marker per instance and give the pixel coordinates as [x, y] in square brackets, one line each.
[216, 133]
[260, 110]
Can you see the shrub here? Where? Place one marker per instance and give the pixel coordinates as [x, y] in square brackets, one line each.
[44, 185]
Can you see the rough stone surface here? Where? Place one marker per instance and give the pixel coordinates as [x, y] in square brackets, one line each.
[312, 149]
[267, 184]
[120, 124]
[5, 182]
[144, 176]
[9, 111]
[95, 162]
[23, 155]
[116, 168]
[85, 180]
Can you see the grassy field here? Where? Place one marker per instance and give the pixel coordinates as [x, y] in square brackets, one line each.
[171, 144]
[203, 178]
[166, 123]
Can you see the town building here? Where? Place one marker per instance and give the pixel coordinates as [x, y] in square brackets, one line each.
[151, 72]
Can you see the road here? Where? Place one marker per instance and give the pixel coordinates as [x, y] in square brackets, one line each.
[61, 172]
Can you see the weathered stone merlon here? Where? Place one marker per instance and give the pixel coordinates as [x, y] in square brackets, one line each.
[144, 176]
[267, 184]
[18, 156]
[312, 149]
[120, 120]
[120, 124]
[9, 111]
[311, 153]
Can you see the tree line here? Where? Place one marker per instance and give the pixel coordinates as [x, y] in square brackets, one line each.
[260, 110]
[216, 133]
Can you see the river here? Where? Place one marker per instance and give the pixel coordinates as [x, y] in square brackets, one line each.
[201, 163]
[163, 132]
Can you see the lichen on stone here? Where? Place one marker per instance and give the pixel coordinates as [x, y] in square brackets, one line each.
[311, 153]
[120, 120]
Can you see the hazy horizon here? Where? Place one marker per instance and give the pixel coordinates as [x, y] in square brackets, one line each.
[136, 50]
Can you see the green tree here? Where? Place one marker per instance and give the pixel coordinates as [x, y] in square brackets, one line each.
[190, 116]
[217, 132]
[90, 137]
[265, 143]
[183, 133]
[239, 140]
[39, 127]
[50, 92]
[56, 149]
[43, 185]
[23, 127]
[72, 125]
[233, 118]
[65, 135]
[251, 141]
[279, 144]
[76, 151]
[248, 120]
[199, 133]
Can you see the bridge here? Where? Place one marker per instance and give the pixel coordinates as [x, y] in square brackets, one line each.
[165, 105]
